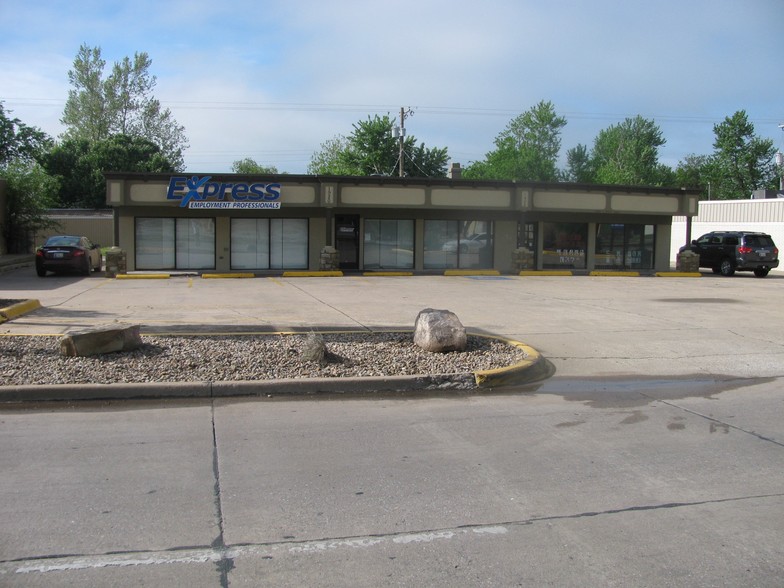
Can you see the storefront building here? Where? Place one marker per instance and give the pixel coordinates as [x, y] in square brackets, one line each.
[237, 223]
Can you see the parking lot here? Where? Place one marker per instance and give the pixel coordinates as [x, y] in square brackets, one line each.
[653, 455]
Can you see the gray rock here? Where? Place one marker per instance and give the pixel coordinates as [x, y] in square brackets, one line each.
[107, 339]
[439, 331]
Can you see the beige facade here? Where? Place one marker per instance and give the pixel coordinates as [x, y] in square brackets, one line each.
[380, 223]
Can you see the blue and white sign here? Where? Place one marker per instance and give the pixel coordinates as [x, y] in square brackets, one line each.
[200, 192]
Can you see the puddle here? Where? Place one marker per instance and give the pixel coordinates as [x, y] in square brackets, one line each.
[625, 392]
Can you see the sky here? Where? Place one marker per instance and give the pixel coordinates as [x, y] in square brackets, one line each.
[272, 80]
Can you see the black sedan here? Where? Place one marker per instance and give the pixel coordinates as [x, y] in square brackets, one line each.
[68, 253]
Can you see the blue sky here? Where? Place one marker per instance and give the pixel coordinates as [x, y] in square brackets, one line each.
[274, 79]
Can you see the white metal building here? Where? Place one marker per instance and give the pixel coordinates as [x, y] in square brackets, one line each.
[765, 216]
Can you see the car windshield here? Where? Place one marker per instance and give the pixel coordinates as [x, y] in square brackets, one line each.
[62, 242]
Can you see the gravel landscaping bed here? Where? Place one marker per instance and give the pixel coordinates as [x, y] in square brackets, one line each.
[37, 360]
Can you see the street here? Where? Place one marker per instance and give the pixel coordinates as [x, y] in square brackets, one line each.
[654, 456]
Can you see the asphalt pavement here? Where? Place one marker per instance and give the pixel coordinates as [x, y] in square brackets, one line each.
[652, 456]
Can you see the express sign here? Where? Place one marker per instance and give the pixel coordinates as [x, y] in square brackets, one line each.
[200, 192]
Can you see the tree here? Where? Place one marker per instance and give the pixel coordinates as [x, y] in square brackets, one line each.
[30, 193]
[121, 103]
[697, 172]
[742, 162]
[527, 149]
[628, 153]
[579, 165]
[327, 161]
[250, 167]
[79, 165]
[19, 141]
[371, 149]
[28, 188]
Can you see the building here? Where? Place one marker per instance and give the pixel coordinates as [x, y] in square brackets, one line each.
[764, 215]
[239, 223]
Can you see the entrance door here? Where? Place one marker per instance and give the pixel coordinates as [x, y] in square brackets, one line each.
[347, 240]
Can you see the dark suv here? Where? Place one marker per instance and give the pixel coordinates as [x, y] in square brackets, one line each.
[726, 252]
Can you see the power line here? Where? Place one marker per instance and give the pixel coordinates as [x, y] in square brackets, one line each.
[434, 110]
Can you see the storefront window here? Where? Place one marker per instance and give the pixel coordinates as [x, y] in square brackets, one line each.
[458, 244]
[168, 243]
[260, 243]
[624, 246]
[389, 244]
[195, 243]
[154, 243]
[564, 245]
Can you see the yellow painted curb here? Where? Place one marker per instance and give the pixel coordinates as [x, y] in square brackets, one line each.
[457, 272]
[18, 309]
[226, 276]
[611, 274]
[678, 275]
[546, 273]
[388, 274]
[511, 374]
[142, 276]
[319, 274]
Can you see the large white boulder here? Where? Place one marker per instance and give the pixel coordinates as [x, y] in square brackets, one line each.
[439, 331]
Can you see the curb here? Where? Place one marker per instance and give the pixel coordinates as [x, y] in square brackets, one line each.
[513, 374]
[142, 276]
[529, 370]
[18, 309]
[678, 275]
[457, 272]
[227, 276]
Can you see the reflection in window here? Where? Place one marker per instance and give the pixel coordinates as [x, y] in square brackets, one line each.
[458, 244]
[389, 244]
[260, 243]
[625, 246]
[564, 245]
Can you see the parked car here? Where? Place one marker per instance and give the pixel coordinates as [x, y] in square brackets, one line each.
[68, 253]
[470, 244]
[726, 252]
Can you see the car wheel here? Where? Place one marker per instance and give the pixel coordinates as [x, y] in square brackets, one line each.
[40, 271]
[761, 272]
[86, 269]
[727, 267]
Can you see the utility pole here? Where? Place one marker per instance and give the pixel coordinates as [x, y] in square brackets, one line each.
[399, 132]
[400, 138]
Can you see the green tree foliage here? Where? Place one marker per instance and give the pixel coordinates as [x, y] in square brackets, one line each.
[29, 189]
[327, 160]
[697, 172]
[120, 103]
[250, 167]
[579, 165]
[742, 162]
[526, 150]
[18, 140]
[79, 165]
[371, 149]
[628, 154]
[29, 194]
